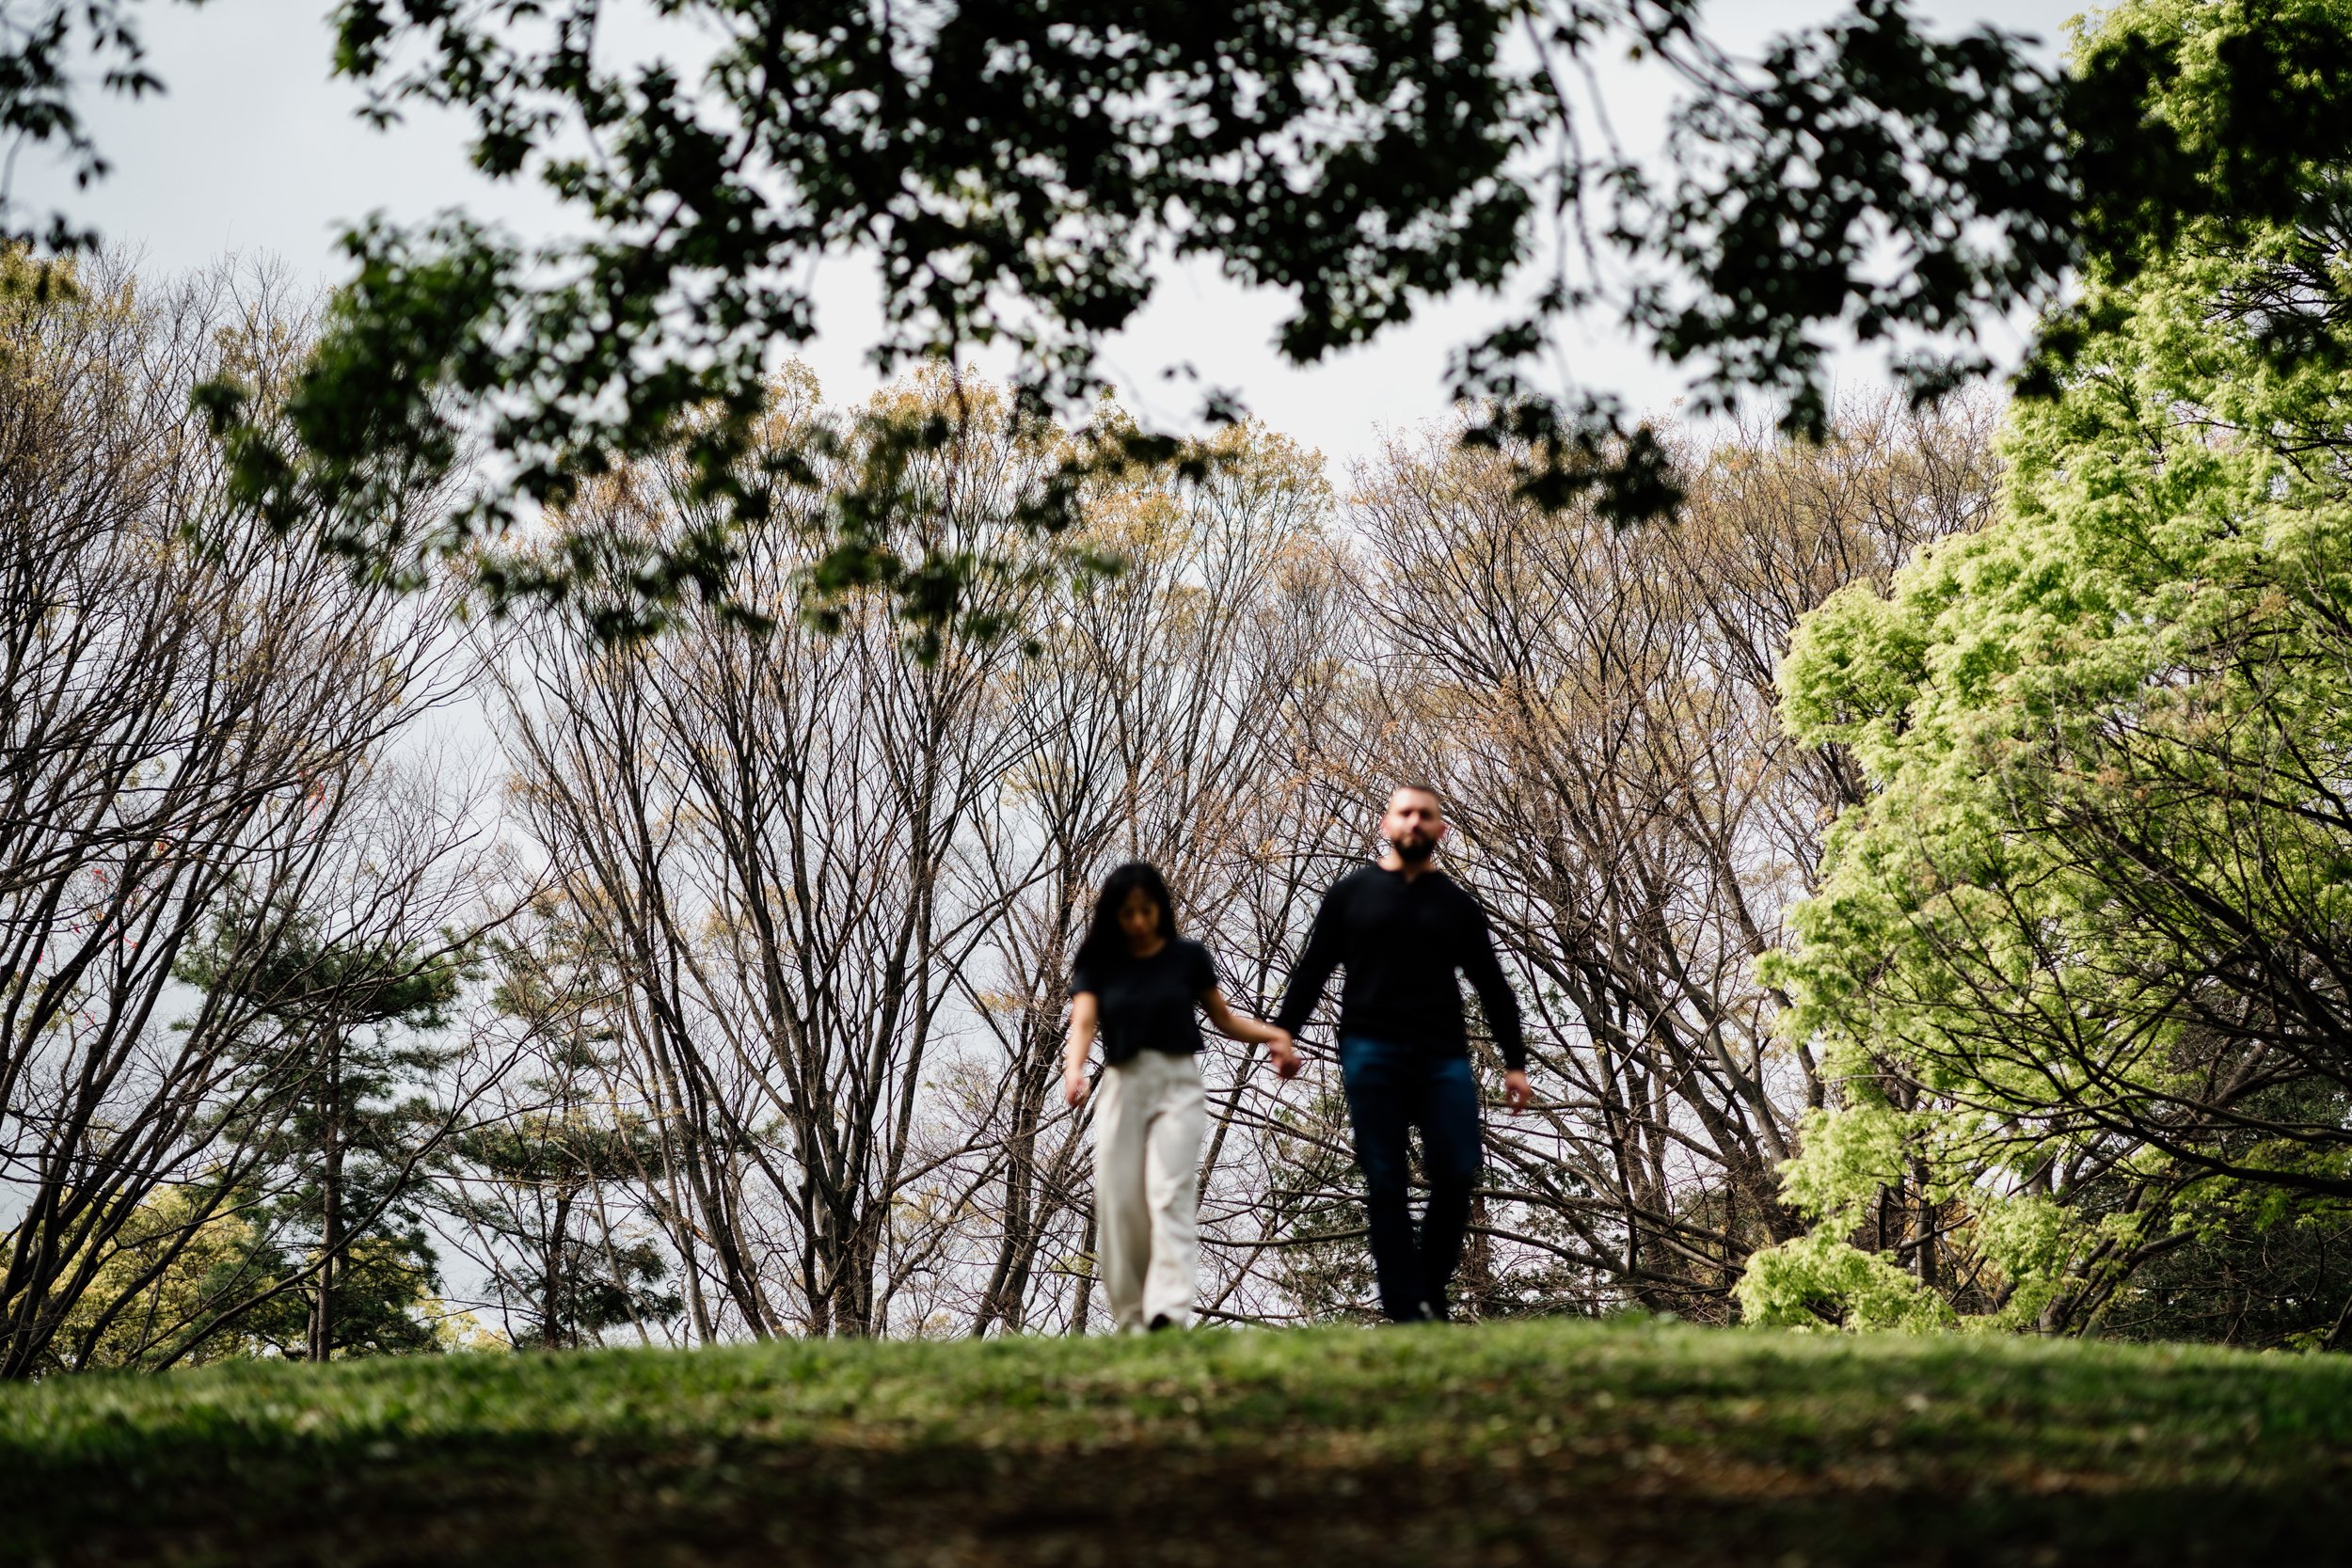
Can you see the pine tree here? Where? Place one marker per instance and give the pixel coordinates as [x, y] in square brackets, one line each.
[339, 1068]
[538, 1181]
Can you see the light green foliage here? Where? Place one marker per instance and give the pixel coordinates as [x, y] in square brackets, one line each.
[171, 1270]
[1850, 1156]
[2030, 1241]
[1818, 1278]
[2078, 962]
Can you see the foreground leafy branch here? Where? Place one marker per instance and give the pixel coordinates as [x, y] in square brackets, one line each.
[1020, 169]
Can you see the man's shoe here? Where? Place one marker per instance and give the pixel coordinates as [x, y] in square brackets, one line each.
[1160, 1321]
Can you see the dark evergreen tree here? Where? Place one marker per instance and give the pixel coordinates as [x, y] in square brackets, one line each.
[339, 1121]
[545, 1184]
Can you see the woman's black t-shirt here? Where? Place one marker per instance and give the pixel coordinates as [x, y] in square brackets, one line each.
[1147, 1004]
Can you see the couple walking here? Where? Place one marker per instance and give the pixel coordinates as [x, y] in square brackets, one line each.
[1401, 930]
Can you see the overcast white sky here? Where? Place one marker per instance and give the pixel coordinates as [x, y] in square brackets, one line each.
[254, 153]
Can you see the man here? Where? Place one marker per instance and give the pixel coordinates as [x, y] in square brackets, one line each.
[1403, 929]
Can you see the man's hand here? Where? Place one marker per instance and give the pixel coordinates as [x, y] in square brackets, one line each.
[1517, 1094]
[1285, 1055]
[1074, 1089]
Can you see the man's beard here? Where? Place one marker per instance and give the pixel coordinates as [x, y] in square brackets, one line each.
[1415, 851]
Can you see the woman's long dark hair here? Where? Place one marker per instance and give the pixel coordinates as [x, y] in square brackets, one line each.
[1106, 944]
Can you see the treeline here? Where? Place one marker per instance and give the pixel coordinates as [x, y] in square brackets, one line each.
[364, 955]
[1923, 862]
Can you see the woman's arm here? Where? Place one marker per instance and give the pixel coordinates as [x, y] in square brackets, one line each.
[1083, 1018]
[1241, 1027]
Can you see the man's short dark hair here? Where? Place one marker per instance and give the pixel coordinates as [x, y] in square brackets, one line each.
[1419, 788]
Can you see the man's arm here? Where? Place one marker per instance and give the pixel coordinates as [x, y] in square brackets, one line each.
[1500, 1004]
[1313, 972]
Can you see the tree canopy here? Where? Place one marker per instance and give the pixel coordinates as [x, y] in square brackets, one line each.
[2080, 955]
[1019, 169]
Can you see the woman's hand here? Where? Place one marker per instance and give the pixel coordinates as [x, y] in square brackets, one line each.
[1285, 1053]
[1074, 1089]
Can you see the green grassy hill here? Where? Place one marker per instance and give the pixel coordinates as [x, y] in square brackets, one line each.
[1551, 1442]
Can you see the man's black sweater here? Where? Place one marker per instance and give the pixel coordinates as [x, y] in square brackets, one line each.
[1402, 941]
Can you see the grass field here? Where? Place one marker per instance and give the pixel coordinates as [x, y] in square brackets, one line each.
[1541, 1442]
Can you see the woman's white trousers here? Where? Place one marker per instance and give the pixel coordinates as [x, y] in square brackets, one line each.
[1148, 1123]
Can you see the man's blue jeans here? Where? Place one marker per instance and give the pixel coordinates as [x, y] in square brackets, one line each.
[1391, 1090]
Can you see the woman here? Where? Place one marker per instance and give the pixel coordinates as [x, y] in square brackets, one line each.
[1137, 982]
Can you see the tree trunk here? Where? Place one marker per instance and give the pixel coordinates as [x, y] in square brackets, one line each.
[321, 1346]
[551, 1279]
[1086, 1280]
